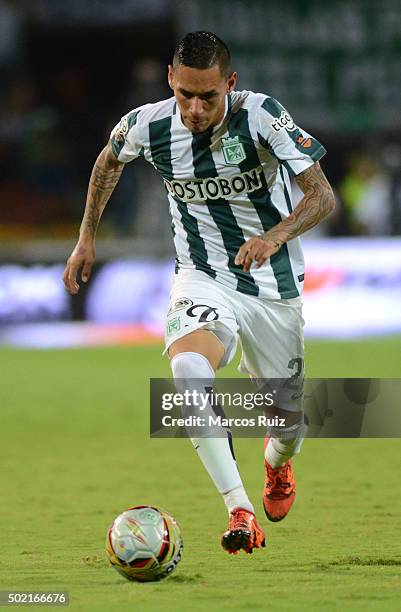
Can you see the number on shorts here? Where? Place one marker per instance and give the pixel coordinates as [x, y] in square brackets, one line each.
[293, 382]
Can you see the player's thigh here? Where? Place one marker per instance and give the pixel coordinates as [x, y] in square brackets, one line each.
[198, 304]
[202, 341]
[272, 339]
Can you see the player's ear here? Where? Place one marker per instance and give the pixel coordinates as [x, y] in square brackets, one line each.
[231, 82]
[170, 76]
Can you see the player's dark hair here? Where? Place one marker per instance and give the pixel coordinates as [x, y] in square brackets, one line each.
[203, 50]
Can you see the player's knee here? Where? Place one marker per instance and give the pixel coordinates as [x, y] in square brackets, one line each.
[203, 342]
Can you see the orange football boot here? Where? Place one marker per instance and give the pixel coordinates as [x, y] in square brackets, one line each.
[244, 532]
[279, 490]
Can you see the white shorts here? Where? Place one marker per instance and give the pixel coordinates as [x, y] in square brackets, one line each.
[270, 331]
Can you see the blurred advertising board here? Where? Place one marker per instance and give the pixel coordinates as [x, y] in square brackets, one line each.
[352, 288]
[32, 293]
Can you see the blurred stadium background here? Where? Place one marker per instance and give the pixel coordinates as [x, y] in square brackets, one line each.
[70, 70]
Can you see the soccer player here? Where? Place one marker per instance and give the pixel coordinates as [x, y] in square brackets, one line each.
[226, 158]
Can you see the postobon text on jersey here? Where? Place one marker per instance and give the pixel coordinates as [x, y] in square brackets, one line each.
[196, 190]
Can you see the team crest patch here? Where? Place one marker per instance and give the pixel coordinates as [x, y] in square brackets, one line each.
[173, 326]
[233, 150]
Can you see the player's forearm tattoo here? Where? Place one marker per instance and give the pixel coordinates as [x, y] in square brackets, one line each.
[105, 175]
[317, 203]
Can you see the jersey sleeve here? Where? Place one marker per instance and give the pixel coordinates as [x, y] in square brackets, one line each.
[125, 137]
[289, 144]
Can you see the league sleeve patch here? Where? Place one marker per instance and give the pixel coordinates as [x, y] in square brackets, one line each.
[306, 143]
[122, 130]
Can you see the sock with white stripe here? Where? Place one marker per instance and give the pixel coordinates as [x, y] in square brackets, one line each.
[215, 452]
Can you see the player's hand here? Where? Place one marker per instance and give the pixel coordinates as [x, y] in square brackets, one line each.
[83, 256]
[257, 249]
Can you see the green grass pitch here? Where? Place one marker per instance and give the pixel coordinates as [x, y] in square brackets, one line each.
[75, 452]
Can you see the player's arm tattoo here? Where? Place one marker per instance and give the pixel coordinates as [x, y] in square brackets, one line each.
[105, 175]
[317, 203]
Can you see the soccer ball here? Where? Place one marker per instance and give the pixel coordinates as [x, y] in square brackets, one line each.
[144, 544]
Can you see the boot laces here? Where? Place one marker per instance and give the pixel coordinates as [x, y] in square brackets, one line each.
[240, 520]
[280, 478]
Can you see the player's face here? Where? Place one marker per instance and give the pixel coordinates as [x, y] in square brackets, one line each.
[200, 95]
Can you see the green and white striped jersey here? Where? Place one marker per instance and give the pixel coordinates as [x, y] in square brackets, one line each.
[226, 185]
